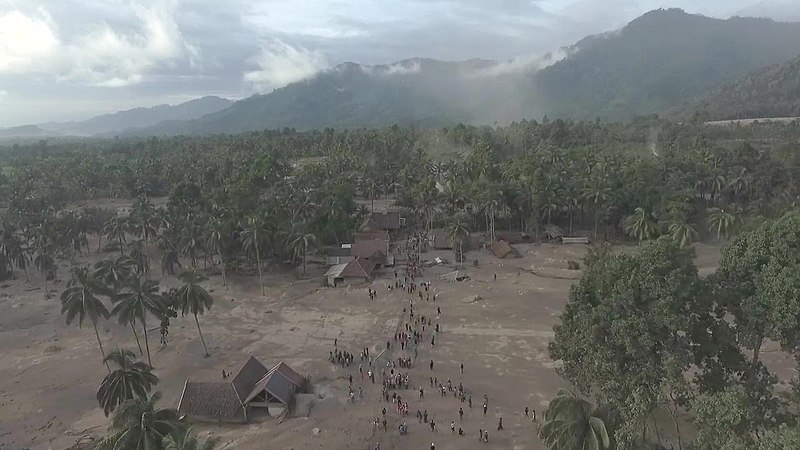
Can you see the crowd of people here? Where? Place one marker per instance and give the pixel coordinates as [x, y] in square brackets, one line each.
[414, 329]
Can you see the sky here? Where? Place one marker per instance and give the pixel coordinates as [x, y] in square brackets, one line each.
[73, 59]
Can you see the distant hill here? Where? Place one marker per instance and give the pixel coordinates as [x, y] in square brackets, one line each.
[772, 91]
[659, 60]
[419, 92]
[662, 59]
[138, 117]
[23, 131]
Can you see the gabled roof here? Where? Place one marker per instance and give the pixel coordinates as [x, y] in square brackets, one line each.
[247, 376]
[215, 400]
[281, 382]
[382, 221]
[366, 249]
[501, 249]
[353, 269]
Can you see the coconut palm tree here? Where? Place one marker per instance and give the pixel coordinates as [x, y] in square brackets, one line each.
[190, 238]
[300, 241]
[458, 231]
[138, 425]
[138, 253]
[570, 423]
[114, 273]
[640, 225]
[131, 379]
[186, 440]
[193, 298]
[80, 300]
[682, 233]
[139, 297]
[721, 221]
[253, 235]
[144, 220]
[44, 247]
[116, 229]
[216, 234]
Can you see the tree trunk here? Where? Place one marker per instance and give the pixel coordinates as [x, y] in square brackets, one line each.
[461, 252]
[121, 252]
[222, 266]
[136, 335]
[260, 275]
[304, 259]
[102, 352]
[570, 222]
[196, 321]
[147, 344]
[757, 350]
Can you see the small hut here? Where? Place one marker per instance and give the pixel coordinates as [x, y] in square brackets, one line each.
[553, 232]
[503, 249]
[454, 276]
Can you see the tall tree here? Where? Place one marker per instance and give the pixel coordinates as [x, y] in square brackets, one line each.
[253, 237]
[80, 300]
[116, 229]
[139, 298]
[217, 232]
[641, 225]
[130, 379]
[193, 298]
[571, 423]
[138, 424]
[458, 232]
[300, 241]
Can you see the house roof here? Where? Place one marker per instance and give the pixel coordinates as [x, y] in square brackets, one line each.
[215, 400]
[501, 249]
[366, 249]
[352, 269]
[382, 221]
[247, 376]
[513, 237]
[338, 251]
[554, 231]
[368, 235]
[281, 381]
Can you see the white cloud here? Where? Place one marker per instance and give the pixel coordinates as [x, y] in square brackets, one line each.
[25, 40]
[526, 63]
[101, 55]
[280, 64]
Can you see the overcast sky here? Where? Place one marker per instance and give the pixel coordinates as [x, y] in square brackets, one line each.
[71, 59]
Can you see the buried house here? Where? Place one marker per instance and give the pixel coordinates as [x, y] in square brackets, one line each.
[253, 386]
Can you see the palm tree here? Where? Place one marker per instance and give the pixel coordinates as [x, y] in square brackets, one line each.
[144, 219]
[138, 252]
[185, 439]
[44, 261]
[190, 238]
[131, 379]
[114, 273]
[640, 225]
[139, 297]
[193, 298]
[458, 231]
[300, 241]
[138, 425]
[721, 221]
[571, 424]
[80, 299]
[252, 236]
[216, 232]
[682, 233]
[116, 229]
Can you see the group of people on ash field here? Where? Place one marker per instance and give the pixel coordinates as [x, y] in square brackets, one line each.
[406, 340]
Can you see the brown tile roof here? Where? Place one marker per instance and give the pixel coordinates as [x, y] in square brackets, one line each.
[281, 381]
[501, 249]
[247, 376]
[211, 401]
[382, 221]
[356, 268]
[366, 249]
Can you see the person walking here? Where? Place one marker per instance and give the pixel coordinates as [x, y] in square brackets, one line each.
[431, 364]
[500, 425]
[460, 413]
[462, 367]
[485, 407]
[453, 427]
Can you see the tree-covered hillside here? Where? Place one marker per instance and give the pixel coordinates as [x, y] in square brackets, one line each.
[772, 91]
[660, 60]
